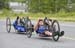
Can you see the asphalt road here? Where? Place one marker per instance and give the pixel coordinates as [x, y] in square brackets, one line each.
[15, 40]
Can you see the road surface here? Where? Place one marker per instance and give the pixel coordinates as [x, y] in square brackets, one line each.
[15, 40]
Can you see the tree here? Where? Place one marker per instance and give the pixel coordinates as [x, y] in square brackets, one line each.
[47, 6]
[1, 4]
[4, 4]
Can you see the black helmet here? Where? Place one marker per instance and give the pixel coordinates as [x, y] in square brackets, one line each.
[17, 17]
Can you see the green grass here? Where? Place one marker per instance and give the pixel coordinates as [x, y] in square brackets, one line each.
[61, 16]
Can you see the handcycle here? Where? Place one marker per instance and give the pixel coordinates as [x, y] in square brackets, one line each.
[25, 28]
[53, 27]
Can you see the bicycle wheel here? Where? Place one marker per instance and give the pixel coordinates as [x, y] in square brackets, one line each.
[29, 28]
[8, 24]
[56, 30]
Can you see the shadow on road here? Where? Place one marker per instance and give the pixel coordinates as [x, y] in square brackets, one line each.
[34, 37]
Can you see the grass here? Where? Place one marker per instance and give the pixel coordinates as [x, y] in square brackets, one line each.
[61, 16]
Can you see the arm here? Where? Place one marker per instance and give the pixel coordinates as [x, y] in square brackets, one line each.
[15, 23]
[36, 26]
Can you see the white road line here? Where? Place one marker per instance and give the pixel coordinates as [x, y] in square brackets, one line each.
[69, 38]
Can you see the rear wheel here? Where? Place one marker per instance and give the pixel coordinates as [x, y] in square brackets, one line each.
[29, 34]
[56, 30]
[8, 24]
[29, 28]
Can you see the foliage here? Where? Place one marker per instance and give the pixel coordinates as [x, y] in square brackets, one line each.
[47, 6]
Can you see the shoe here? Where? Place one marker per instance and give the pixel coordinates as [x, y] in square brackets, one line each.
[61, 33]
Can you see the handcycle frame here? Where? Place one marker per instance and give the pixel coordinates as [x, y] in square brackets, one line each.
[28, 26]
